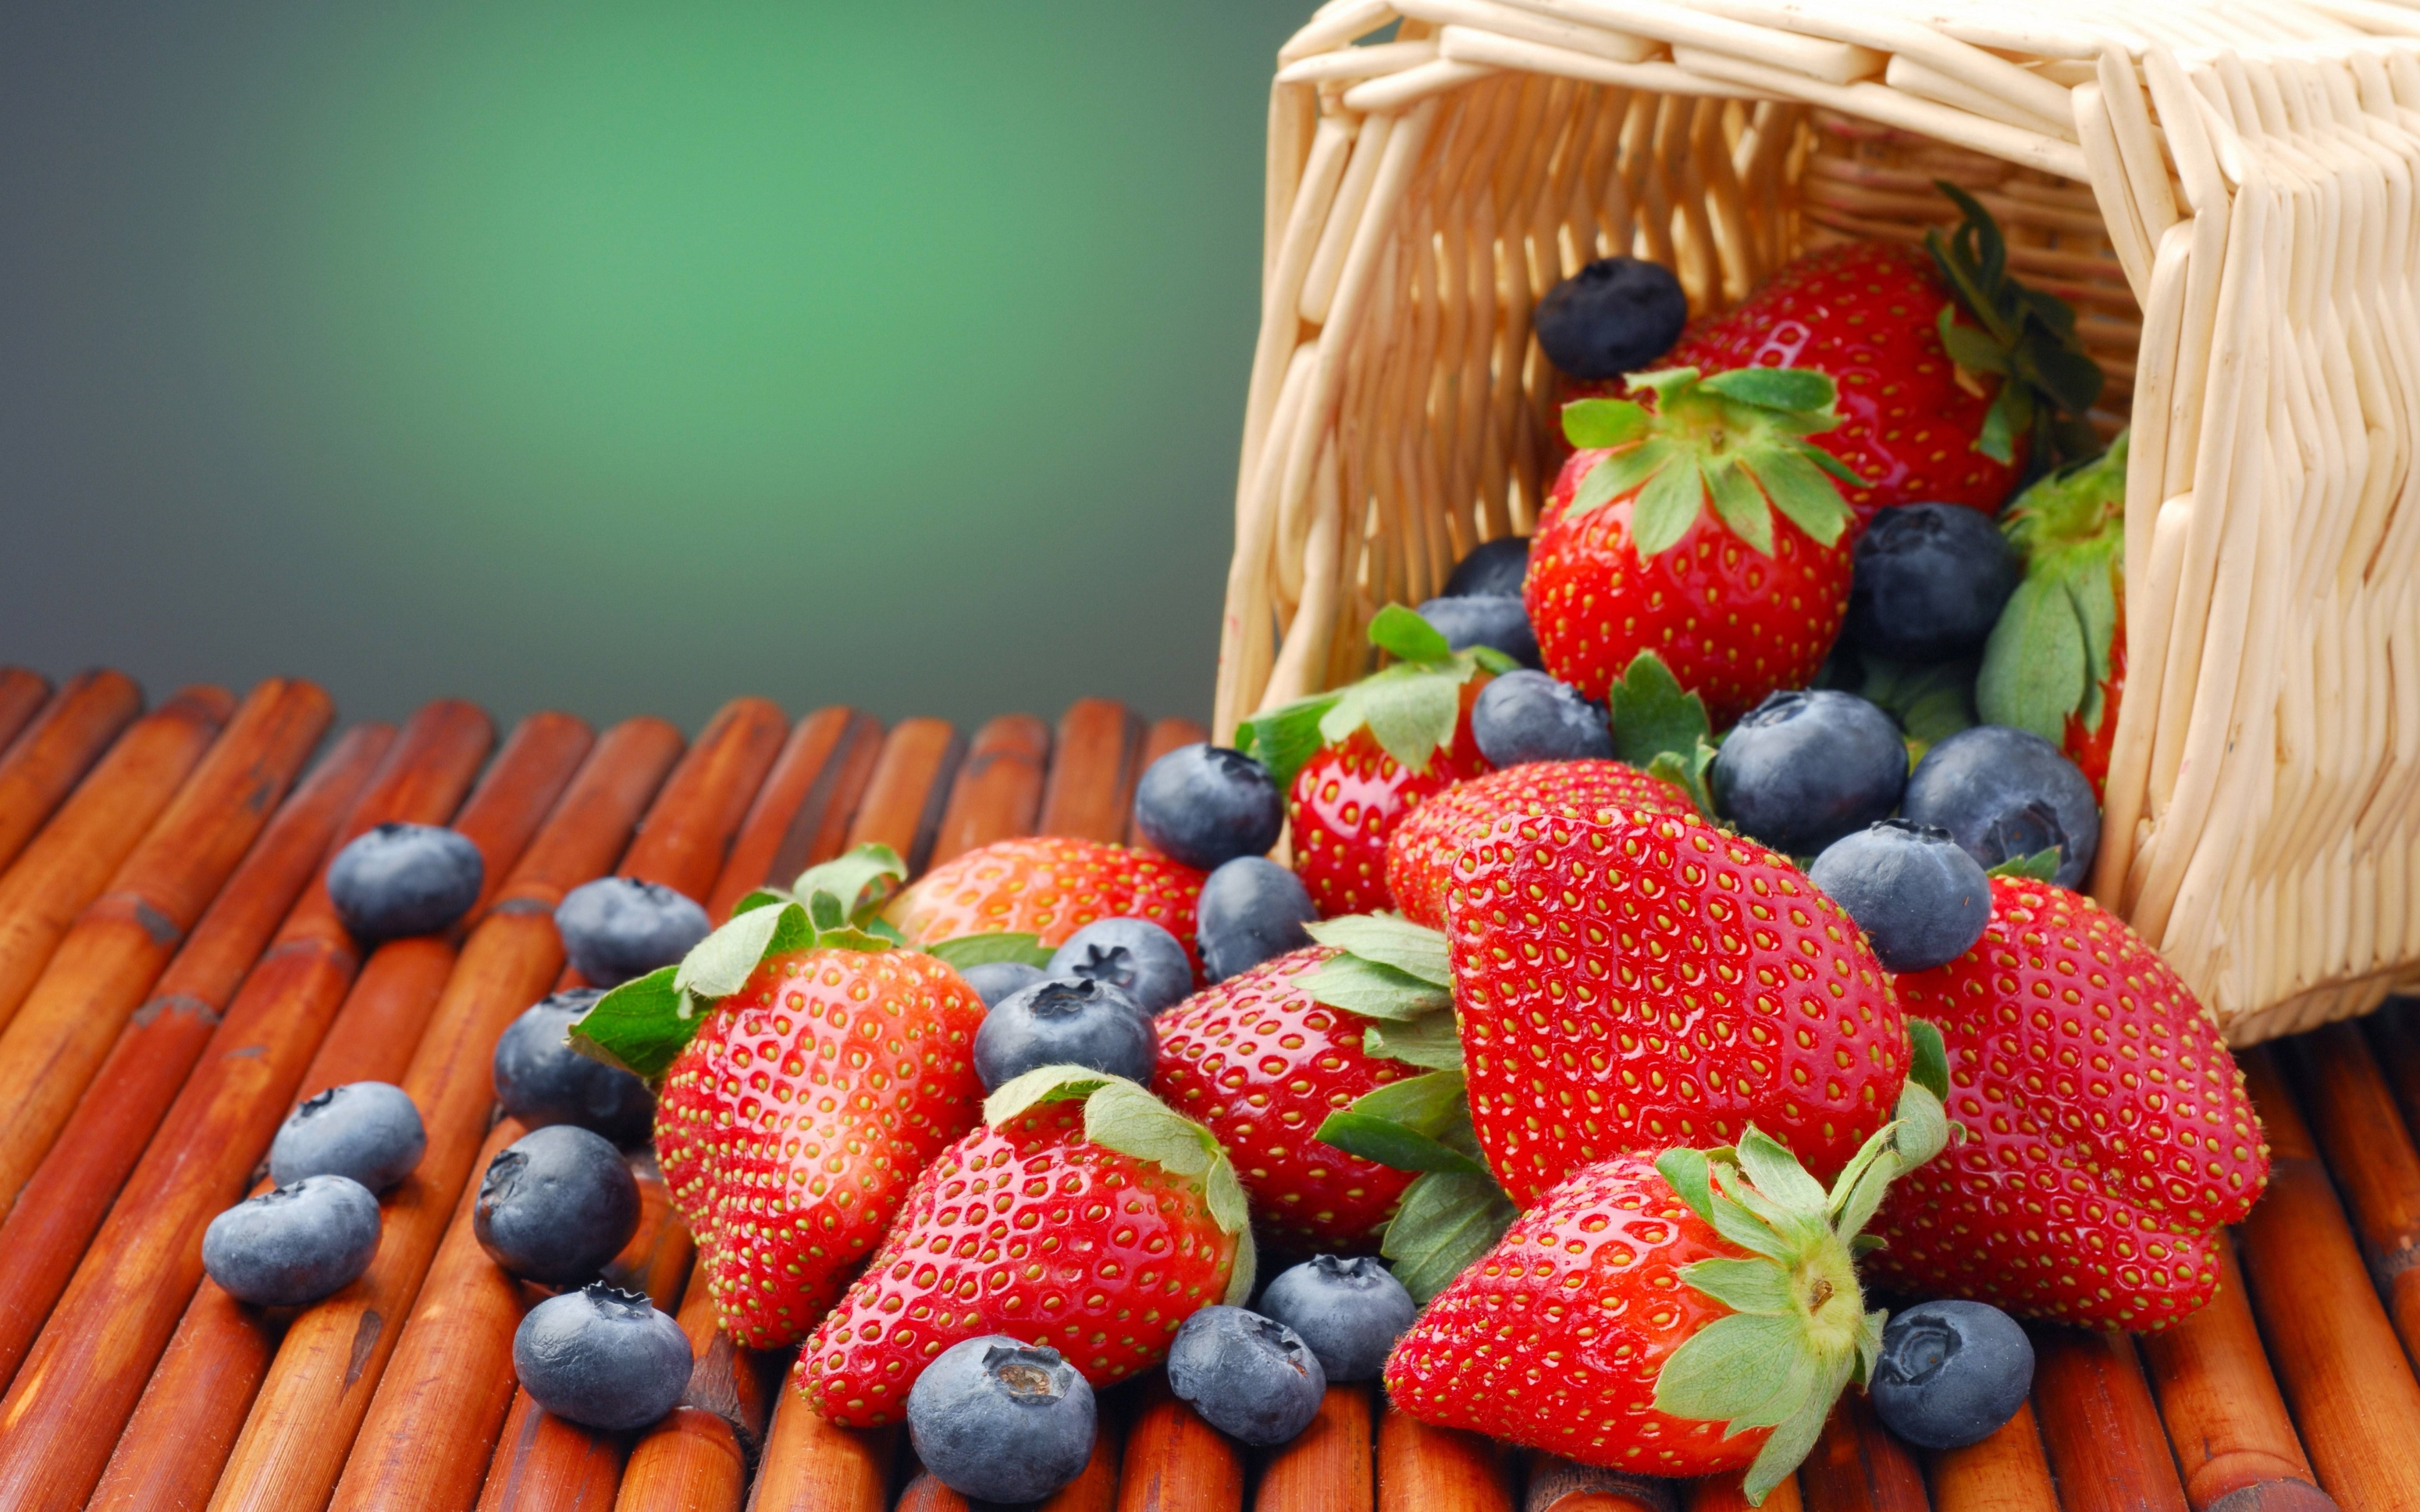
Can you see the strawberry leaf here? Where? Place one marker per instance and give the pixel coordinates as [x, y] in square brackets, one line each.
[988, 949]
[1793, 1439]
[1620, 475]
[1286, 736]
[1401, 632]
[1411, 717]
[1427, 1106]
[1375, 990]
[1391, 940]
[1731, 1366]
[720, 964]
[1931, 701]
[1588, 424]
[2042, 866]
[1687, 1172]
[1776, 388]
[2035, 670]
[762, 898]
[1668, 504]
[1393, 1145]
[640, 1026]
[1432, 1041]
[1688, 774]
[1445, 1224]
[849, 888]
[2028, 335]
[1757, 1286]
[1739, 503]
[1653, 713]
[1928, 1056]
[1801, 490]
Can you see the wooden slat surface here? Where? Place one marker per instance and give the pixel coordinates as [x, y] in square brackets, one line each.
[22, 693]
[2298, 1353]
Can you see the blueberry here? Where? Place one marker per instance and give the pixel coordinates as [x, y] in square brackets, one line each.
[1059, 1022]
[1495, 566]
[617, 928]
[995, 981]
[1251, 1377]
[1803, 769]
[1251, 909]
[369, 1130]
[1921, 901]
[1134, 955]
[1930, 582]
[1350, 1312]
[1528, 716]
[1485, 620]
[2006, 793]
[404, 879]
[998, 1420]
[556, 1204]
[602, 1358]
[293, 1245]
[1206, 805]
[1951, 1373]
[542, 1081]
[1616, 316]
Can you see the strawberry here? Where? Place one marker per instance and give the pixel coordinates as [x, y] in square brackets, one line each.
[1922, 348]
[2108, 1137]
[2056, 661]
[1683, 1315]
[1355, 762]
[1420, 852]
[1047, 886]
[810, 1069]
[1659, 535]
[1261, 1062]
[1083, 1214]
[1643, 980]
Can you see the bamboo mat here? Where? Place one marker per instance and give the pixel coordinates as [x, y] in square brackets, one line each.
[172, 980]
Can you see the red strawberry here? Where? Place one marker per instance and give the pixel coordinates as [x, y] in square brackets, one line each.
[1355, 762]
[2108, 1136]
[1421, 854]
[1262, 1064]
[2056, 661]
[1678, 1317]
[1083, 1216]
[1915, 342]
[790, 1127]
[1647, 979]
[1660, 536]
[1049, 886]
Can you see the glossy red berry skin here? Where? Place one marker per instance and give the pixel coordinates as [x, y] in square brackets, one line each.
[1554, 1339]
[1647, 980]
[1029, 1231]
[1350, 796]
[1262, 1065]
[1421, 851]
[790, 1129]
[2108, 1136]
[1049, 886]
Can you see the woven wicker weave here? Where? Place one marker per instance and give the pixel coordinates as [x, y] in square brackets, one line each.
[2223, 190]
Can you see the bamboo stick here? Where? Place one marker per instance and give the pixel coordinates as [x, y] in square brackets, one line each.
[22, 693]
[2225, 1419]
[1176, 1462]
[927, 1494]
[697, 820]
[49, 756]
[321, 1390]
[80, 1383]
[1328, 1466]
[2370, 1154]
[801, 813]
[1092, 770]
[2334, 1352]
[1855, 1464]
[1726, 1493]
[105, 964]
[2098, 1424]
[54, 1216]
[1096, 1487]
[1425, 1469]
[2006, 1473]
[811, 1466]
[998, 791]
[908, 789]
[65, 866]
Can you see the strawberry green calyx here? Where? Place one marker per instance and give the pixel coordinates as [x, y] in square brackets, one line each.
[643, 1023]
[2026, 336]
[1121, 1115]
[2054, 651]
[1799, 1331]
[1737, 439]
[1661, 728]
[1410, 707]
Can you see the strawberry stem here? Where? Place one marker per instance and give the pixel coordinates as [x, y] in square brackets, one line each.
[2026, 336]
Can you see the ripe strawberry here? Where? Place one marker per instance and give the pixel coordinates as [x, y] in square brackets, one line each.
[2056, 661]
[1645, 980]
[1049, 886]
[1083, 1214]
[1659, 537]
[1684, 1315]
[1921, 347]
[1355, 762]
[790, 1128]
[1262, 1064]
[2108, 1136]
[1420, 852]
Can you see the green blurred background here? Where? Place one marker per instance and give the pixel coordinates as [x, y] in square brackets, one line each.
[623, 357]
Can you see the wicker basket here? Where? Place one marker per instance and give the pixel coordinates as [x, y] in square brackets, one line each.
[2222, 188]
